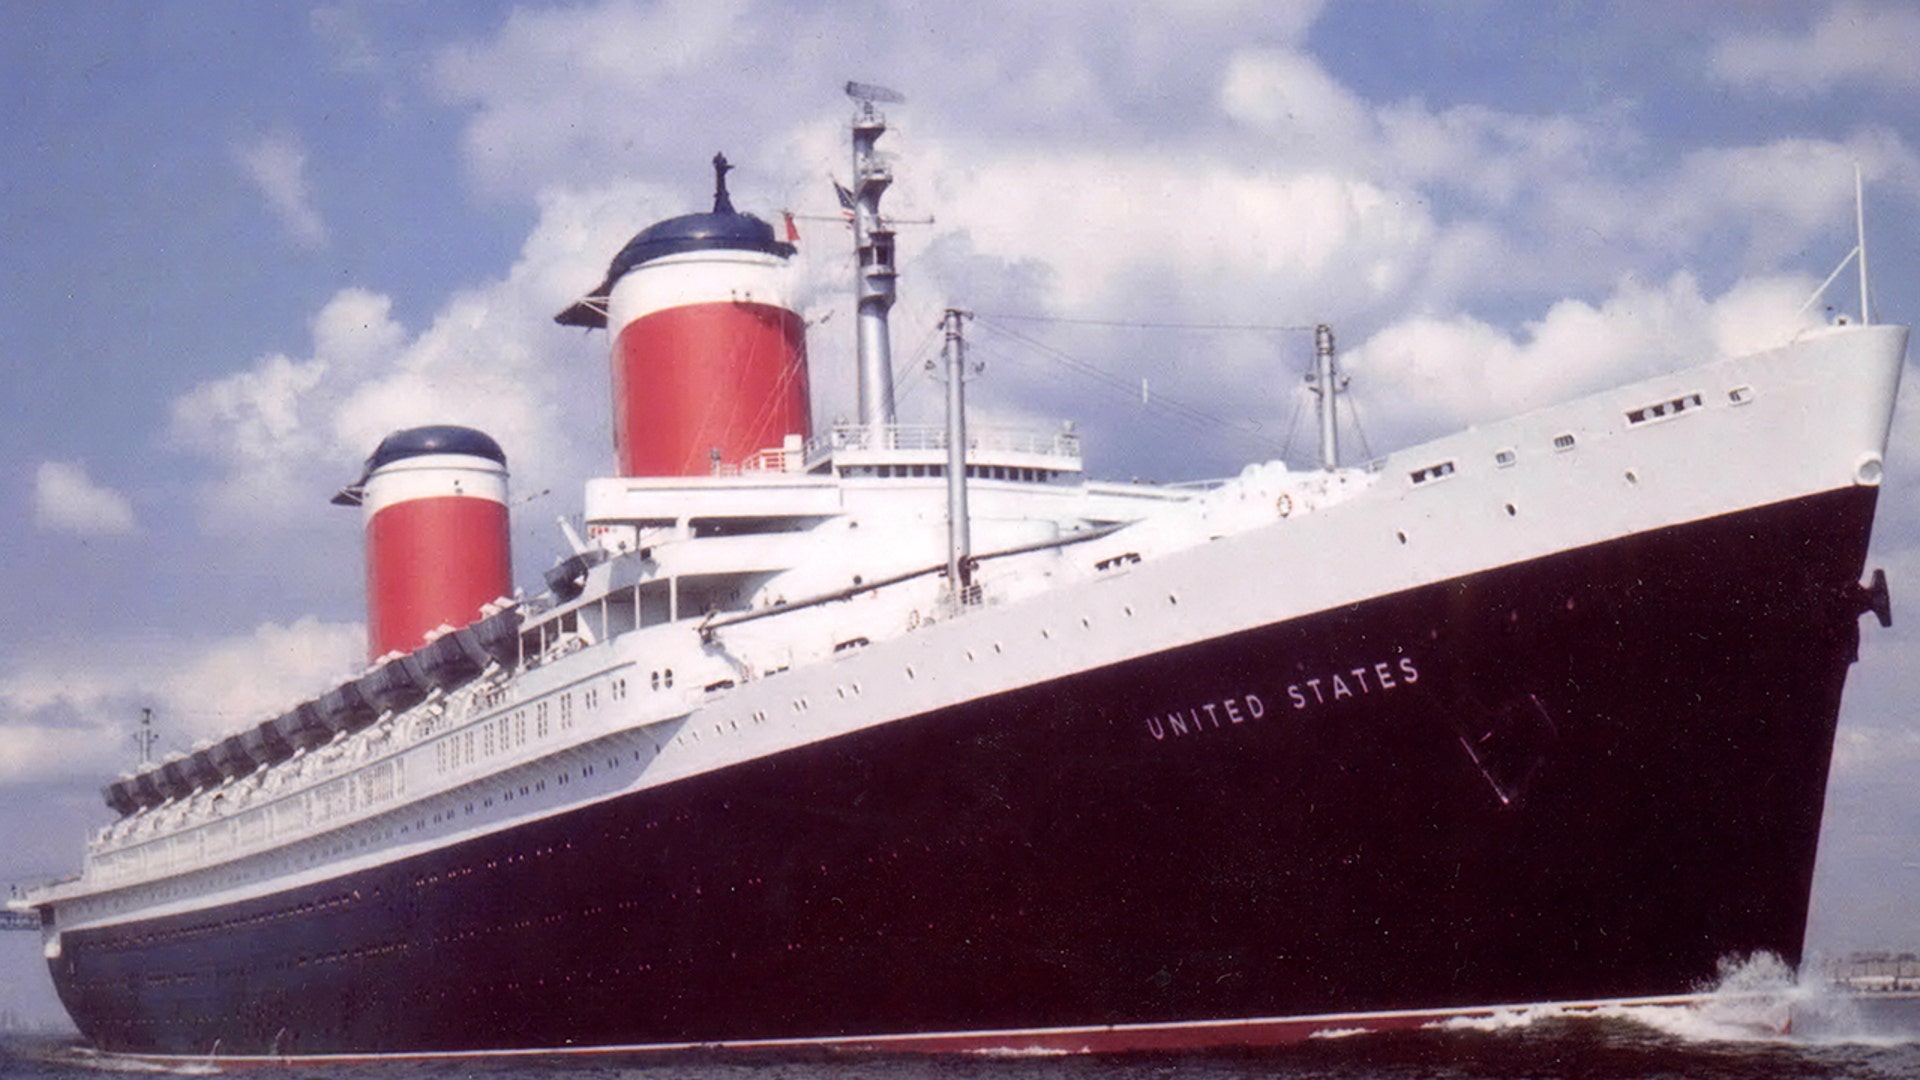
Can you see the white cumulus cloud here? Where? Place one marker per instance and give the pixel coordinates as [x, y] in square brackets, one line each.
[289, 430]
[277, 166]
[240, 680]
[1850, 43]
[1434, 373]
[71, 713]
[253, 424]
[66, 499]
[568, 89]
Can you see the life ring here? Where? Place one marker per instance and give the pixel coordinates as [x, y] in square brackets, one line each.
[1284, 504]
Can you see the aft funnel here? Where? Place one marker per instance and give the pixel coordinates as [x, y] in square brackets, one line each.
[435, 502]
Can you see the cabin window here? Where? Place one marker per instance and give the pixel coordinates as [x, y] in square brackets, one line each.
[1662, 409]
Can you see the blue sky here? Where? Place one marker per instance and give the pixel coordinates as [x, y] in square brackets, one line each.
[244, 241]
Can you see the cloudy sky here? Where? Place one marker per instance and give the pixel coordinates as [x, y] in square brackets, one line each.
[242, 242]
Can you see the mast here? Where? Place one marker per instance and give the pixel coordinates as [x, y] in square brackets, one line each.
[146, 737]
[959, 530]
[1326, 382]
[1860, 228]
[873, 248]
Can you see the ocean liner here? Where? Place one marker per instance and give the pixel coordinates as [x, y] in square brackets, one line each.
[888, 736]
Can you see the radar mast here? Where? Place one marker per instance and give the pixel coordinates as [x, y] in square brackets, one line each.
[873, 248]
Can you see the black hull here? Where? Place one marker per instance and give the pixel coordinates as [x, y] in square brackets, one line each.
[1593, 775]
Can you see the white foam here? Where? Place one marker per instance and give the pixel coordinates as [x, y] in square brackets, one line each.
[114, 1063]
[1339, 1033]
[1026, 1052]
[1756, 999]
[1512, 1019]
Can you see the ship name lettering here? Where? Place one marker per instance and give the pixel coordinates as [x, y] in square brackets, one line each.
[1380, 677]
[1206, 716]
[1324, 688]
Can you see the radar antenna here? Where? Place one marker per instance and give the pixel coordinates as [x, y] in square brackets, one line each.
[868, 94]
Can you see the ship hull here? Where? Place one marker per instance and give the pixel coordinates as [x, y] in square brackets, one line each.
[1590, 775]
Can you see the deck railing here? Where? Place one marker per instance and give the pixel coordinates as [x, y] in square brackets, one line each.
[1062, 445]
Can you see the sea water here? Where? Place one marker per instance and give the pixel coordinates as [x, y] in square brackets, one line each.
[1759, 1023]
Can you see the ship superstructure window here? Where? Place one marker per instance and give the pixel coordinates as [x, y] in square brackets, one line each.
[1660, 410]
[1740, 395]
[906, 471]
[1563, 441]
[1505, 457]
[1431, 473]
[656, 602]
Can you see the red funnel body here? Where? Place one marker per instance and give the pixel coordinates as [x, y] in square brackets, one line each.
[709, 363]
[437, 534]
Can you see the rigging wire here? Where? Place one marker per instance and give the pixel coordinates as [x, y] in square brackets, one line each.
[1353, 410]
[1172, 408]
[1267, 327]
[903, 386]
[1293, 424]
